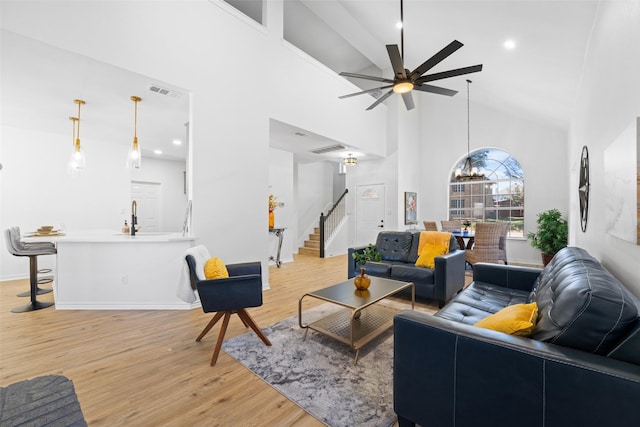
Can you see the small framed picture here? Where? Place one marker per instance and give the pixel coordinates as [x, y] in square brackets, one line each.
[410, 207]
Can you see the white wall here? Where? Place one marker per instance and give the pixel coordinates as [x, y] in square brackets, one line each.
[206, 47]
[608, 101]
[538, 147]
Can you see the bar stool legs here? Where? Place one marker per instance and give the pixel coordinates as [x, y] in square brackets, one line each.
[34, 304]
[39, 281]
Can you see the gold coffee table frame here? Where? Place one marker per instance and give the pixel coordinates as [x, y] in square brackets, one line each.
[362, 319]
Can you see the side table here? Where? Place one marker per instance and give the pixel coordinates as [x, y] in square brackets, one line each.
[279, 232]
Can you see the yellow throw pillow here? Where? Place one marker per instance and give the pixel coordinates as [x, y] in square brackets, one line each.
[517, 319]
[431, 245]
[427, 257]
[214, 268]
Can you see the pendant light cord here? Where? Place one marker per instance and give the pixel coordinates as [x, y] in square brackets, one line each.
[135, 119]
[402, 30]
[79, 104]
[468, 123]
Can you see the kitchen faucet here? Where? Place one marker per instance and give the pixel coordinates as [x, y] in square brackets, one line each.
[134, 217]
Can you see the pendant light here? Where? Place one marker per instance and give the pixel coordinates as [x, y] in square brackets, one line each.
[134, 159]
[468, 171]
[77, 162]
[350, 160]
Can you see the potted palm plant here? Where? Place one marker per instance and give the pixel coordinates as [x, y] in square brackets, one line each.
[552, 234]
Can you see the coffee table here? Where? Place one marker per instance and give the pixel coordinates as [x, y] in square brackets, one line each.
[361, 319]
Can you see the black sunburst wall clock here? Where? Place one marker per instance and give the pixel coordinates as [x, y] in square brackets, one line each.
[583, 188]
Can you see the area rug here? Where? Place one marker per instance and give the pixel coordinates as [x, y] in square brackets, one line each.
[43, 401]
[318, 373]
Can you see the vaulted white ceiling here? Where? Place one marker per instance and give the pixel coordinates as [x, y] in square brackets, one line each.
[539, 79]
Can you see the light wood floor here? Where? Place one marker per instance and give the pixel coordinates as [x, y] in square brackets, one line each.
[144, 368]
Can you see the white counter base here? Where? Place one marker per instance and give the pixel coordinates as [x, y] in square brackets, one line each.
[120, 272]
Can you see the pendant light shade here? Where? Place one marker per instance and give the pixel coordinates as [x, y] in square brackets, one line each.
[134, 158]
[468, 171]
[350, 160]
[77, 161]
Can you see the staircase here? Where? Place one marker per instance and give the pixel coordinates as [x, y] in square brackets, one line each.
[312, 246]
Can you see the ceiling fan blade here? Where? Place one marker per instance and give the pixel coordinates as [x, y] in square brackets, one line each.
[396, 61]
[450, 73]
[364, 91]
[379, 100]
[362, 76]
[435, 89]
[408, 101]
[435, 59]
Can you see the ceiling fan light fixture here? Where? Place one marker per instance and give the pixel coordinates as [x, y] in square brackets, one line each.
[403, 87]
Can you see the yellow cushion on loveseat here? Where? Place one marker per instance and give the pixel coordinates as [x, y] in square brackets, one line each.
[431, 245]
[214, 268]
[517, 319]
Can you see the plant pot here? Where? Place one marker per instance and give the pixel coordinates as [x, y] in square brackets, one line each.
[546, 259]
[272, 219]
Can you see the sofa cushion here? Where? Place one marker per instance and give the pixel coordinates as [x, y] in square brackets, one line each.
[517, 319]
[394, 245]
[581, 305]
[378, 269]
[411, 273]
[489, 297]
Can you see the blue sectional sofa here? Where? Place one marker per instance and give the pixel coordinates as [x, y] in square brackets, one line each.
[579, 367]
[399, 251]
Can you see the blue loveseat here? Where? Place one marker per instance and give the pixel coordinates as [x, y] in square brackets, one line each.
[579, 367]
[399, 251]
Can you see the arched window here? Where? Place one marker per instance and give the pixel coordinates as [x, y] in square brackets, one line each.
[499, 197]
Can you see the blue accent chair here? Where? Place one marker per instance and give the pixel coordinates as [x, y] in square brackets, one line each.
[241, 290]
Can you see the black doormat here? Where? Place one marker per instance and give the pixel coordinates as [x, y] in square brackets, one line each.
[43, 401]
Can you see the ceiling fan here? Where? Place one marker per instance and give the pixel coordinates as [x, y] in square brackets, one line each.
[405, 81]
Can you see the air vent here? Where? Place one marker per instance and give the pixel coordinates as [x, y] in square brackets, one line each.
[329, 149]
[164, 91]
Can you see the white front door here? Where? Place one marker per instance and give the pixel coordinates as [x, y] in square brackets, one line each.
[369, 213]
[147, 197]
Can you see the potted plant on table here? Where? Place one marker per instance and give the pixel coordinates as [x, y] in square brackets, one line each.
[552, 234]
[370, 253]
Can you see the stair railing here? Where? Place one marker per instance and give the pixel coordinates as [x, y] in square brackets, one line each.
[329, 222]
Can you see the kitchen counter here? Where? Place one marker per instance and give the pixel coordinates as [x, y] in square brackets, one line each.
[103, 270]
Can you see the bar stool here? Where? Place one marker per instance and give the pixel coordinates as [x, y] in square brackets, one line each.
[18, 248]
[15, 234]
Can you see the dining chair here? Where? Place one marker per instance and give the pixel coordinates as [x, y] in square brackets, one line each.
[227, 296]
[430, 225]
[451, 225]
[486, 247]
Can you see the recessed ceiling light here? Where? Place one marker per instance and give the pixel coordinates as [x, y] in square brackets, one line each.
[177, 142]
[158, 152]
[509, 44]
